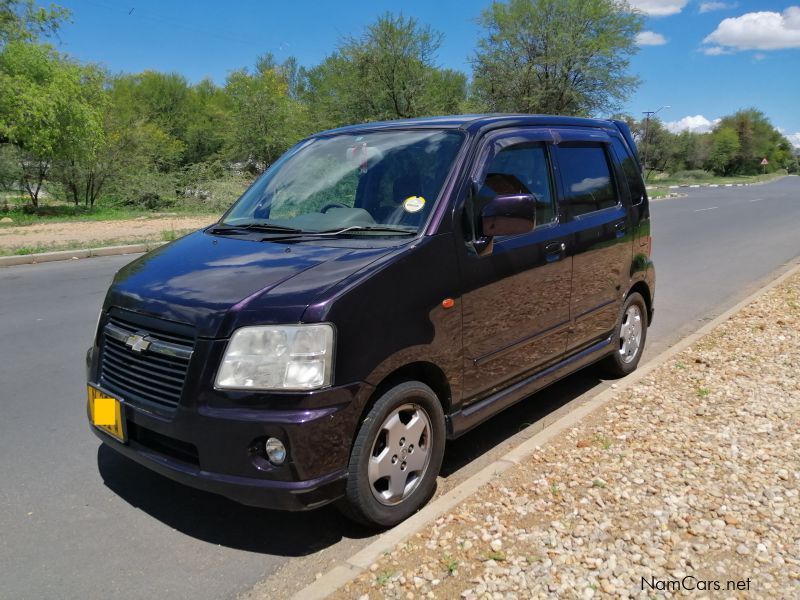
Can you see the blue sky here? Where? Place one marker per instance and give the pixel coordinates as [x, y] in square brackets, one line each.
[703, 58]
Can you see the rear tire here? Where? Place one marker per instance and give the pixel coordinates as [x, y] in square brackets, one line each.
[396, 456]
[629, 337]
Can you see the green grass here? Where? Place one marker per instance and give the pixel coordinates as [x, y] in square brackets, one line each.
[166, 236]
[62, 213]
[169, 235]
[450, 564]
[605, 442]
[496, 556]
[660, 184]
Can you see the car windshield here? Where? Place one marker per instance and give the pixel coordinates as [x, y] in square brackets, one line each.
[373, 183]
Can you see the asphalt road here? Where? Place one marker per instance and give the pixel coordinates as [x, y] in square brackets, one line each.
[77, 521]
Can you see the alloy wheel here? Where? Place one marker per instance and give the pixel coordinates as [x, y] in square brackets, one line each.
[400, 454]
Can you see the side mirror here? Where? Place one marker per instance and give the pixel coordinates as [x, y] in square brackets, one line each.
[509, 215]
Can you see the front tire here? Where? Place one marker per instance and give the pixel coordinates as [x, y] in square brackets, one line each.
[396, 456]
[629, 337]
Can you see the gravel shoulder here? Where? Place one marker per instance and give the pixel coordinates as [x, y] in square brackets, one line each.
[685, 484]
[90, 234]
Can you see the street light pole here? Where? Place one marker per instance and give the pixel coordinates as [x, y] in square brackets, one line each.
[648, 114]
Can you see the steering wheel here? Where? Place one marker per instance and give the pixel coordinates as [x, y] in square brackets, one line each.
[331, 205]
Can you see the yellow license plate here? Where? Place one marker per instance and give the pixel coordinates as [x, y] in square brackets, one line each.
[106, 413]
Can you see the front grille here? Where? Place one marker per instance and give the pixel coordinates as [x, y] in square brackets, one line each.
[151, 372]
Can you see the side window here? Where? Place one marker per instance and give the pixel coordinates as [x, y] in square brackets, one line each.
[520, 169]
[587, 178]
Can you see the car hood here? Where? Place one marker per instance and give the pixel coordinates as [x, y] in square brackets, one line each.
[219, 283]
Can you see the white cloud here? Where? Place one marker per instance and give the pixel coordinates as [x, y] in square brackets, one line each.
[695, 124]
[758, 31]
[794, 138]
[716, 51]
[650, 38]
[711, 6]
[659, 8]
[588, 184]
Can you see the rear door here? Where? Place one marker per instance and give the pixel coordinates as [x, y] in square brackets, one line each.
[598, 219]
[515, 299]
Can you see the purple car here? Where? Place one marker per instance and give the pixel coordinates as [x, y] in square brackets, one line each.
[381, 289]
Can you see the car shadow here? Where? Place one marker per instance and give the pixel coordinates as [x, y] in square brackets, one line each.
[217, 520]
[497, 430]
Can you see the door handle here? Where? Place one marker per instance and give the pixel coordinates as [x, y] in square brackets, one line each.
[554, 251]
[619, 229]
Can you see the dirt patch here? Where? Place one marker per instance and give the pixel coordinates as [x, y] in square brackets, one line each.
[93, 233]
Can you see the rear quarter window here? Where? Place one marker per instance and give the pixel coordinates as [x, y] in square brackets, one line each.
[633, 175]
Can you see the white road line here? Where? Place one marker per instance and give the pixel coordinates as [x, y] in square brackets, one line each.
[704, 209]
[756, 200]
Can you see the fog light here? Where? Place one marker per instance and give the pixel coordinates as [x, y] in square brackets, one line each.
[276, 451]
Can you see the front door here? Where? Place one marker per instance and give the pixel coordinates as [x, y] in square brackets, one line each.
[516, 298]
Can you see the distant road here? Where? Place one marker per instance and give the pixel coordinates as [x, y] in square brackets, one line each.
[79, 522]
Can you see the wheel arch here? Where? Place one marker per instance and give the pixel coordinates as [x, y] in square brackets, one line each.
[423, 371]
[643, 289]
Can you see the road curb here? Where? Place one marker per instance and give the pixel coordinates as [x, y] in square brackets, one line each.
[669, 196]
[364, 558]
[30, 259]
[684, 186]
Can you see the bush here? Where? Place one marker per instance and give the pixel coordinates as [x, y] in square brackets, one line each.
[211, 186]
[696, 174]
[148, 190]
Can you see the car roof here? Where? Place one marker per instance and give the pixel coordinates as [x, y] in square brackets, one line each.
[474, 123]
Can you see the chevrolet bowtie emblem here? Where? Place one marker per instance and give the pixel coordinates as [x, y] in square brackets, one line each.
[137, 343]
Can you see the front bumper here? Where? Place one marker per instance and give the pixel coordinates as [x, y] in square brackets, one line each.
[220, 449]
[262, 493]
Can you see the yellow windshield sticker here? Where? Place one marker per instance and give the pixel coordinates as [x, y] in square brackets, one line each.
[413, 204]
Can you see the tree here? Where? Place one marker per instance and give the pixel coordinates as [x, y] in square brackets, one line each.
[10, 174]
[159, 98]
[724, 147]
[294, 75]
[567, 57]
[135, 163]
[659, 149]
[692, 150]
[46, 109]
[79, 166]
[24, 20]
[758, 139]
[389, 72]
[207, 124]
[265, 120]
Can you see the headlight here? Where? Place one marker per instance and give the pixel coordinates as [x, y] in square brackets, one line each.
[278, 357]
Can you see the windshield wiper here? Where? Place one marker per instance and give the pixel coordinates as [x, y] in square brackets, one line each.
[359, 228]
[292, 233]
[243, 228]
